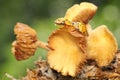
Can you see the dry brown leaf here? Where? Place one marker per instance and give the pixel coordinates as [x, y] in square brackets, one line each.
[68, 51]
[25, 44]
[101, 46]
[81, 13]
[113, 75]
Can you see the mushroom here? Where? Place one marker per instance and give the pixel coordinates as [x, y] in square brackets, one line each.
[79, 16]
[101, 46]
[68, 43]
[24, 46]
[83, 12]
[26, 42]
[68, 51]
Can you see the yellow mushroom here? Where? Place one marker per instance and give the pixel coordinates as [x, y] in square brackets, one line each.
[68, 51]
[101, 46]
[68, 43]
[81, 13]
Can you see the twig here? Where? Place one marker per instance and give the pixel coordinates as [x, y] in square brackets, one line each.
[9, 76]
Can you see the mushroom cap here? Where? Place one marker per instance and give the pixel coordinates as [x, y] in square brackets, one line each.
[81, 13]
[25, 44]
[68, 51]
[101, 46]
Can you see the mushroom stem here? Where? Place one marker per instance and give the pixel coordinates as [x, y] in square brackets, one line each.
[43, 45]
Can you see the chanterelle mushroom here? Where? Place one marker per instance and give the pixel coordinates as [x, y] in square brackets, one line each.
[101, 46]
[67, 55]
[68, 43]
[83, 12]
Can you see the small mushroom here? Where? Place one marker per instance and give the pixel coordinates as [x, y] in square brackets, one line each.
[81, 13]
[68, 51]
[26, 42]
[24, 46]
[77, 15]
[101, 46]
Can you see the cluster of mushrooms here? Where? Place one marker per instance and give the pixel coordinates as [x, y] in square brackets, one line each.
[72, 44]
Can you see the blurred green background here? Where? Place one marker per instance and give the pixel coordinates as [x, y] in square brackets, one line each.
[40, 14]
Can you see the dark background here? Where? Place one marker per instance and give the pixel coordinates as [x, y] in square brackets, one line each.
[40, 14]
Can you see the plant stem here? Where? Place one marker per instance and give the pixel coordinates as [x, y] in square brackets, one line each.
[43, 45]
